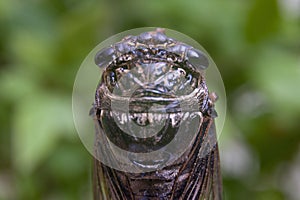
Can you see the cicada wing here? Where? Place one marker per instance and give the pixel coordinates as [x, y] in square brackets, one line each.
[205, 178]
[100, 189]
[213, 180]
[217, 189]
[106, 183]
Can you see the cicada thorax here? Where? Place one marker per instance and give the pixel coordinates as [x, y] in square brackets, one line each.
[153, 99]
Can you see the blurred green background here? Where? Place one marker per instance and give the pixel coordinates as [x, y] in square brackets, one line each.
[255, 44]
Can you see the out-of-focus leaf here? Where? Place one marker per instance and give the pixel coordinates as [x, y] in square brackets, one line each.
[40, 121]
[274, 135]
[277, 74]
[270, 194]
[17, 82]
[263, 20]
[32, 50]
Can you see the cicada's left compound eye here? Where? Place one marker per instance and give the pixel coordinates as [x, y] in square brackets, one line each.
[104, 57]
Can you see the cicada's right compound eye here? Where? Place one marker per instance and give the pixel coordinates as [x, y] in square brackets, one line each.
[197, 59]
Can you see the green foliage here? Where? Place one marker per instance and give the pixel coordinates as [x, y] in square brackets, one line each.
[263, 20]
[255, 44]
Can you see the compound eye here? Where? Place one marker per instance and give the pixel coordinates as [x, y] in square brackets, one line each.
[104, 57]
[197, 58]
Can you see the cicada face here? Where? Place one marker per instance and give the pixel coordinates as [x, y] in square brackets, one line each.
[154, 119]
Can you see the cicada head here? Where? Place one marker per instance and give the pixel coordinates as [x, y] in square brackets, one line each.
[152, 66]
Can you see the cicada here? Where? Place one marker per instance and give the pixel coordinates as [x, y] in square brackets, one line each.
[154, 118]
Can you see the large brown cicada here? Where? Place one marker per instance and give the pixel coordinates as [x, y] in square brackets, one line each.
[154, 117]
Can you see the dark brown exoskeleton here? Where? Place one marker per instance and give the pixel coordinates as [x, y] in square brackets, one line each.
[154, 117]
